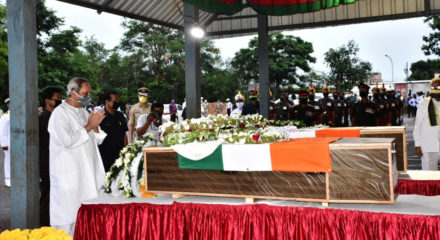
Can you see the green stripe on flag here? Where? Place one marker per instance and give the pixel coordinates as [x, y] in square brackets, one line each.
[211, 162]
[216, 6]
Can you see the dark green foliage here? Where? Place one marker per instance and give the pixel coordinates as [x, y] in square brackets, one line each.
[346, 69]
[288, 57]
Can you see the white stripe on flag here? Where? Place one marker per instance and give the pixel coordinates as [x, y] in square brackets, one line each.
[246, 157]
[306, 133]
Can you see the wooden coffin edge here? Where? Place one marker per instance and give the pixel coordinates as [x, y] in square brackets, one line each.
[251, 198]
[391, 129]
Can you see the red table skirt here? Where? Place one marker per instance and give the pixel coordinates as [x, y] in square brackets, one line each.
[418, 187]
[209, 221]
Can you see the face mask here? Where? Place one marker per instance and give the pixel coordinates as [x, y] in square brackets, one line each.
[84, 101]
[303, 101]
[335, 96]
[142, 99]
[283, 99]
[240, 105]
[325, 95]
[311, 97]
[253, 98]
[376, 96]
[363, 94]
[57, 103]
[115, 105]
[172, 101]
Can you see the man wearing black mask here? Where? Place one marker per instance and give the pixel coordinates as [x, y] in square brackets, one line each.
[253, 106]
[283, 108]
[304, 111]
[327, 105]
[115, 125]
[51, 99]
[339, 108]
[364, 112]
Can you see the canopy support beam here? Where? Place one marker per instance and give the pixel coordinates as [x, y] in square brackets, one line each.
[23, 92]
[263, 65]
[192, 63]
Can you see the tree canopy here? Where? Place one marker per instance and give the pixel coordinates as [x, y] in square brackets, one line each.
[289, 58]
[346, 68]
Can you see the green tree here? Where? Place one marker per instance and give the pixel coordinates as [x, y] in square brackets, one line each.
[156, 59]
[346, 69]
[432, 41]
[288, 57]
[422, 70]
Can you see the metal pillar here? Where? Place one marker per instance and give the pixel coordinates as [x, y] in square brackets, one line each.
[192, 63]
[23, 92]
[263, 65]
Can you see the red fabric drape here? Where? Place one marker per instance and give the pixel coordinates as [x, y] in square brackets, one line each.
[206, 221]
[418, 187]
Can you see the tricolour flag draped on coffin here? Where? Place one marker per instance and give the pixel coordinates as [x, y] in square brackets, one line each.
[296, 155]
[267, 7]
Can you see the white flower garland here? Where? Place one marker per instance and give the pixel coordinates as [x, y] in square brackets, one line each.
[129, 165]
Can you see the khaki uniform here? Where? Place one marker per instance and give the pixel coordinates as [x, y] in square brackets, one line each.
[135, 111]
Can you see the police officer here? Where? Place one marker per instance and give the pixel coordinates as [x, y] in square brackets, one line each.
[283, 108]
[327, 105]
[304, 111]
[339, 109]
[143, 107]
[364, 111]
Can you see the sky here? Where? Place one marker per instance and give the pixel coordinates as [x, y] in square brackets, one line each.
[399, 39]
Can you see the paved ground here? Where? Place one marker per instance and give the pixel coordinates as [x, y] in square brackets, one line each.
[414, 163]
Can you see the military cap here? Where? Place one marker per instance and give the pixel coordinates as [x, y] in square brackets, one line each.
[143, 91]
[363, 87]
[435, 80]
[303, 94]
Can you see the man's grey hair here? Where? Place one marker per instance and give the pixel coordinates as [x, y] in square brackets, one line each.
[75, 84]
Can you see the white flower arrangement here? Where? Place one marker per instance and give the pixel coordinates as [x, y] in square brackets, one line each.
[129, 165]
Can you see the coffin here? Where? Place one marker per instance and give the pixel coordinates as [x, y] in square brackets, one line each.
[362, 172]
[399, 135]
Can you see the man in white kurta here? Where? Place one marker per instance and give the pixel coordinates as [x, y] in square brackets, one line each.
[426, 131]
[76, 169]
[5, 143]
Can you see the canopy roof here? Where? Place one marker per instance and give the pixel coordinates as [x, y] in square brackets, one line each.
[170, 13]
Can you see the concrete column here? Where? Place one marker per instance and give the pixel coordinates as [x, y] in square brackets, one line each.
[23, 92]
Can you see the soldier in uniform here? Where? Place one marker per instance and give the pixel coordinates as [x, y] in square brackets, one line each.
[382, 108]
[364, 112]
[315, 104]
[327, 105]
[143, 107]
[339, 109]
[394, 108]
[304, 111]
[349, 100]
[283, 108]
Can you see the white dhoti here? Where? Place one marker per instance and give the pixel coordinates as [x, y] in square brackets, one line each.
[430, 161]
[7, 168]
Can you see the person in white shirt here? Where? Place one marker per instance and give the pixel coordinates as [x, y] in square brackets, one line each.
[427, 126]
[5, 142]
[75, 166]
[150, 123]
[228, 106]
[239, 103]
